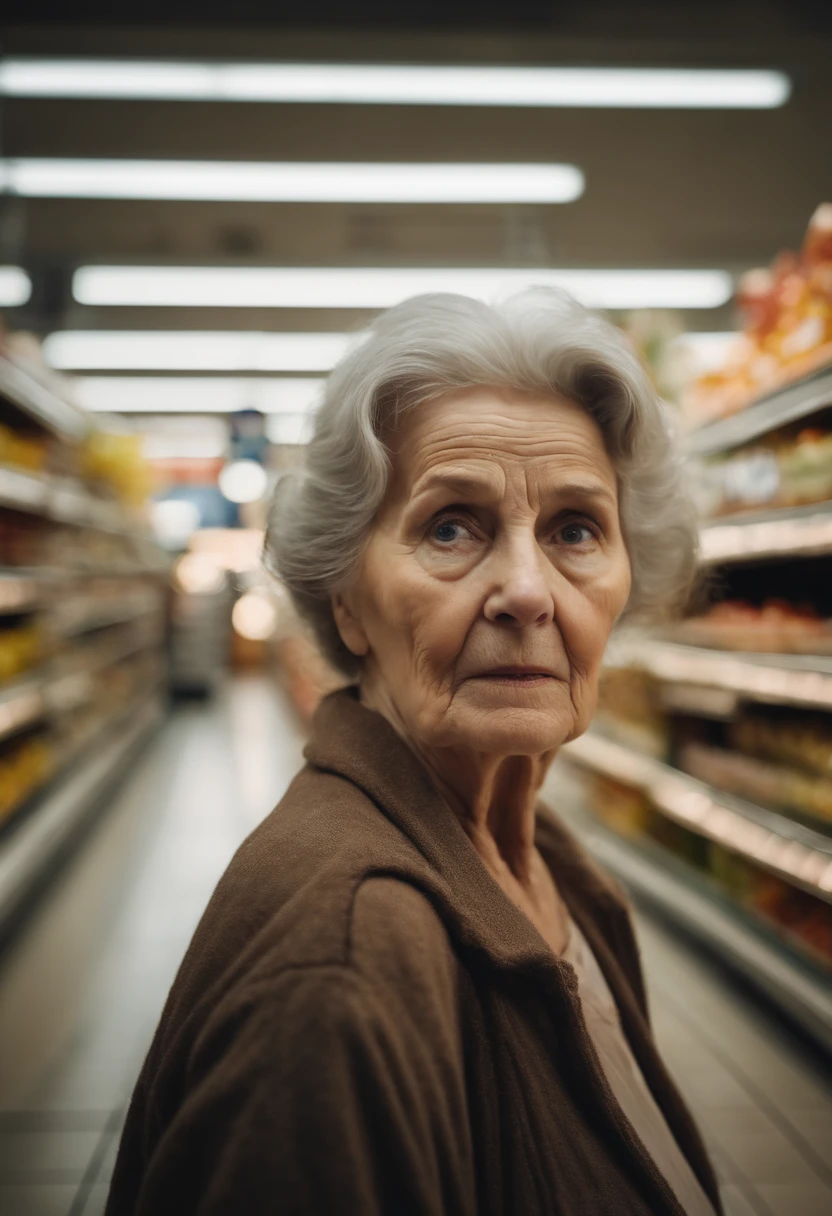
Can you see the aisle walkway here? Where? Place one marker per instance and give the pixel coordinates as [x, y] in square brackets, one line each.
[82, 989]
[81, 992]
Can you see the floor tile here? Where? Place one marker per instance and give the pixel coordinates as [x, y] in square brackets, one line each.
[46, 1156]
[815, 1127]
[788, 1199]
[768, 1158]
[724, 1125]
[96, 1200]
[37, 1200]
[54, 1120]
[707, 1083]
[108, 1160]
[736, 1203]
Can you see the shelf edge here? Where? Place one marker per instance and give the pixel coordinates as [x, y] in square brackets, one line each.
[702, 810]
[787, 404]
[765, 966]
[755, 677]
[34, 842]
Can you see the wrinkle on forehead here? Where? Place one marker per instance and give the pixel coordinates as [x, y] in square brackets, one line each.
[513, 442]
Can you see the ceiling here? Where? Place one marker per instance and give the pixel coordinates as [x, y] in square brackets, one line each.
[664, 188]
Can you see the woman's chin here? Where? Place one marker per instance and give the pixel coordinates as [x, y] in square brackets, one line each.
[508, 731]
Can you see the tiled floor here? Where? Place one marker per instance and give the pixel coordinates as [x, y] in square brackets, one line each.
[82, 988]
[763, 1104]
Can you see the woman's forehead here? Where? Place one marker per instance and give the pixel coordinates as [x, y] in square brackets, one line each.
[489, 432]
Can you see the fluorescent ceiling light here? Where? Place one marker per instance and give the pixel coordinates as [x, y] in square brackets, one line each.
[166, 350]
[195, 394]
[193, 436]
[15, 287]
[398, 84]
[372, 288]
[292, 182]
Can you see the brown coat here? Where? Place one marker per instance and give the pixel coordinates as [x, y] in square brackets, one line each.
[364, 1023]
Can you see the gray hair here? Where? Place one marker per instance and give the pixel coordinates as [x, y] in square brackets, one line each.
[540, 341]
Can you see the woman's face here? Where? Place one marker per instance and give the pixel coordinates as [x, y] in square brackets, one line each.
[493, 575]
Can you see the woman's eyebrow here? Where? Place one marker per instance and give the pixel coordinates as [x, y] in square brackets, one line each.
[589, 491]
[456, 482]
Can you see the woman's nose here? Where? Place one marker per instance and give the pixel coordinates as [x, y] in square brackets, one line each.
[521, 594]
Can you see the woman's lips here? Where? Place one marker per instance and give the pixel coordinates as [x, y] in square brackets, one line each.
[517, 675]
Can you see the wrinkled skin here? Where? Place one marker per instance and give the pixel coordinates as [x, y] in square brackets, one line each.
[499, 546]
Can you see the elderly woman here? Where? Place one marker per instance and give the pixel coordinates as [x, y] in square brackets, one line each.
[412, 993]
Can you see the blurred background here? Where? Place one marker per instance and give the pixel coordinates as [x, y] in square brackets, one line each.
[198, 215]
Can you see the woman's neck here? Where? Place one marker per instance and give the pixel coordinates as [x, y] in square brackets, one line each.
[494, 797]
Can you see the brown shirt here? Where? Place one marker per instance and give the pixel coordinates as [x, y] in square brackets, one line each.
[365, 1025]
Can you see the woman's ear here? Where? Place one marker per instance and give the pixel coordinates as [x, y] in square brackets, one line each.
[349, 627]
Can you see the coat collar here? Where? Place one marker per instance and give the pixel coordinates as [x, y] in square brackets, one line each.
[361, 746]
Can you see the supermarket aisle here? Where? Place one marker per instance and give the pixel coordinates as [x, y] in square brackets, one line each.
[82, 989]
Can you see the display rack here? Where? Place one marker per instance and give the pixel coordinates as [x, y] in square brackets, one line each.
[28, 853]
[704, 685]
[789, 404]
[774, 842]
[38, 403]
[93, 630]
[60, 500]
[776, 679]
[682, 896]
[793, 531]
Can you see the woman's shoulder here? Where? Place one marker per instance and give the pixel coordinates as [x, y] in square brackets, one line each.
[398, 938]
[324, 881]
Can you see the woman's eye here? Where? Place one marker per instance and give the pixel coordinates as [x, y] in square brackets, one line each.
[447, 531]
[576, 534]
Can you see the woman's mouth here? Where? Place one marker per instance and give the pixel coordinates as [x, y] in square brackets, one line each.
[526, 676]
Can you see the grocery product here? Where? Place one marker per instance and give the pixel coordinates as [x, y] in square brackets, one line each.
[25, 764]
[629, 710]
[780, 471]
[801, 739]
[799, 918]
[111, 461]
[774, 785]
[787, 327]
[776, 627]
[21, 648]
[23, 451]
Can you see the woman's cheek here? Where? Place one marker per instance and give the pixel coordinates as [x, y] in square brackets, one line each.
[440, 621]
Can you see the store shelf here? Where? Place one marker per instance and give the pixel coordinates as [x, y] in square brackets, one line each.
[788, 404]
[77, 615]
[39, 404]
[770, 967]
[22, 703]
[776, 679]
[29, 846]
[23, 491]
[793, 852]
[146, 634]
[21, 590]
[65, 683]
[60, 500]
[791, 532]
